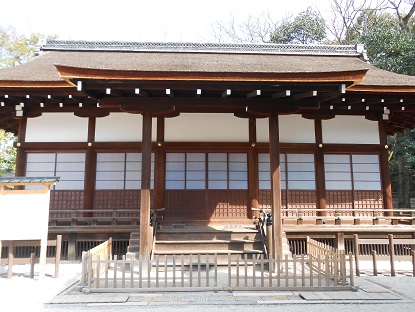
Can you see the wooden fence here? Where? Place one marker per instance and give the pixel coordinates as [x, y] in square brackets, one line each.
[202, 272]
[392, 249]
[32, 259]
[321, 254]
[91, 264]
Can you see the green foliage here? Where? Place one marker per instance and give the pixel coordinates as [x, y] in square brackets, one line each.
[390, 47]
[308, 27]
[7, 152]
[402, 145]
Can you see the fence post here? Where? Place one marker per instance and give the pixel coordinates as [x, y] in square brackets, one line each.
[356, 253]
[11, 260]
[413, 262]
[110, 248]
[351, 269]
[84, 268]
[58, 254]
[392, 254]
[32, 264]
[375, 263]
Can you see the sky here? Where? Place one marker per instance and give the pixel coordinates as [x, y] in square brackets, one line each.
[136, 20]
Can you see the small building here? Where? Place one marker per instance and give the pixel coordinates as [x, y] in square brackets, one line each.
[206, 131]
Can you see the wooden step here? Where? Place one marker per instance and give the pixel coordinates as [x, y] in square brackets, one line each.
[207, 233]
[208, 245]
[221, 255]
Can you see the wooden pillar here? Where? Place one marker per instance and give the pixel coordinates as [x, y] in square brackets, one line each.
[384, 169]
[145, 233]
[21, 156]
[72, 246]
[90, 168]
[274, 151]
[252, 169]
[319, 167]
[160, 166]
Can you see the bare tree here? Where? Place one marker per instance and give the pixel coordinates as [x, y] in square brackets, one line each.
[345, 15]
[254, 29]
[400, 7]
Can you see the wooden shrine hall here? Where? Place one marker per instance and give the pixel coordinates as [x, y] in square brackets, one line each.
[206, 131]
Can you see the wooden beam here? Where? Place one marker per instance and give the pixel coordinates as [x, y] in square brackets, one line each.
[305, 95]
[253, 94]
[169, 92]
[226, 93]
[140, 92]
[79, 85]
[281, 94]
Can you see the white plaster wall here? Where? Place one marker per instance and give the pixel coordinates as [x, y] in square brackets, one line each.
[122, 127]
[57, 127]
[350, 130]
[206, 128]
[293, 129]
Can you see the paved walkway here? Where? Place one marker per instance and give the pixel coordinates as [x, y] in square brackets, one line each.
[51, 293]
[366, 292]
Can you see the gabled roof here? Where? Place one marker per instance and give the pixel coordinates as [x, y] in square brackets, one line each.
[305, 70]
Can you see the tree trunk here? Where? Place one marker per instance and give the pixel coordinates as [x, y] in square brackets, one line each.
[404, 200]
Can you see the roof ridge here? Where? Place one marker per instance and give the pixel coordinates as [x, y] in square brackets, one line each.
[244, 48]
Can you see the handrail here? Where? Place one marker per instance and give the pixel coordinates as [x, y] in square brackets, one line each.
[262, 220]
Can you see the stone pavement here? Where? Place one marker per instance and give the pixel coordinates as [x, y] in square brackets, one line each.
[366, 292]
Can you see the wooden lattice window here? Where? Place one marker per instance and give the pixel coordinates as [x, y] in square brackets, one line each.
[70, 167]
[120, 171]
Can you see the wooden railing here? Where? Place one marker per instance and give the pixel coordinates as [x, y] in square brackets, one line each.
[327, 259]
[355, 215]
[202, 272]
[96, 217]
[366, 249]
[32, 260]
[81, 217]
[91, 264]
[262, 223]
